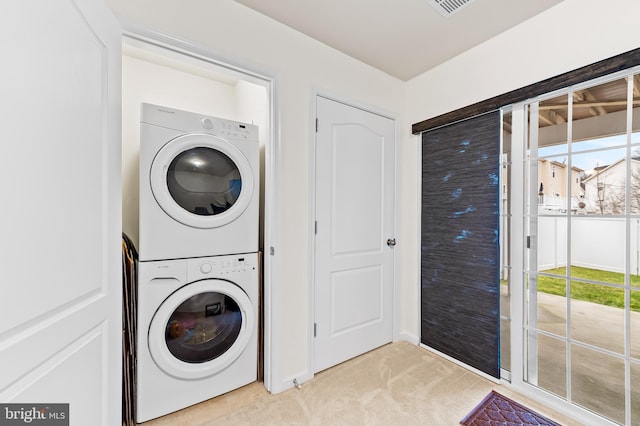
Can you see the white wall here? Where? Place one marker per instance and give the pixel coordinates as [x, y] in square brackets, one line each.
[558, 40]
[301, 65]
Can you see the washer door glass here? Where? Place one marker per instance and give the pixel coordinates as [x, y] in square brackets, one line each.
[201, 329]
[204, 181]
[201, 180]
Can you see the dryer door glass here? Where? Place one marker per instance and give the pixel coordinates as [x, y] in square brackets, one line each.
[203, 327]
[204, 181]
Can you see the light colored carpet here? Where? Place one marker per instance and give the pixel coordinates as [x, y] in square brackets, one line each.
[397, 384]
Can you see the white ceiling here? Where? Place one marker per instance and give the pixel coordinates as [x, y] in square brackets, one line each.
[403, 38]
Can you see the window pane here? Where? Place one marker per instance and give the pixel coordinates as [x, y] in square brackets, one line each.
[551, 243]
[553, 174]
[592, 321]
[603, 182]
[505, 343]
[635, 394]
[597, 382]
[548, 311]
[552, 371]
[634, 184]
[551, 304]
[529, 173]
[636, 107]
[552, 123]
[600, 112]
[635, 320]
[598, 249]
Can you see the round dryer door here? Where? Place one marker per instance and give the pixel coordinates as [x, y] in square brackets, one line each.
[201, 180]
[201, 329]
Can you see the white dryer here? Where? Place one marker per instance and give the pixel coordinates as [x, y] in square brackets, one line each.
[199, 185]
[197, 331]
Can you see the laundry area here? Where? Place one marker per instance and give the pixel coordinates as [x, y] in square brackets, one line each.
[193, 179]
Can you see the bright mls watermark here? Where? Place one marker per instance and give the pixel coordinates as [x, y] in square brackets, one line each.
[34, 414]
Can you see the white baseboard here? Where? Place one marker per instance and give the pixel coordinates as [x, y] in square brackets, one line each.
[408, 337]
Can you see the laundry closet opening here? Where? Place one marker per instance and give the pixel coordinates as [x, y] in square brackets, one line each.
[180, 76]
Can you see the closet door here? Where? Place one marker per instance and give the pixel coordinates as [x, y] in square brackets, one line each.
[460, 251]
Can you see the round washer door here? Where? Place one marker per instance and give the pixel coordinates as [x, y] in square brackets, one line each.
[201, 180]
[201, 329]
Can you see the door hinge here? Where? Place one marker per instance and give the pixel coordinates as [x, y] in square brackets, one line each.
[315, 228]
[316, 125]
[315, 329]
[528, 241]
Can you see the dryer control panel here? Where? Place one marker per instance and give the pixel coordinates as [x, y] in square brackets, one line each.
[192, 122]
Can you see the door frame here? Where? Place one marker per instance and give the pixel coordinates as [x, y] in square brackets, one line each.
[272, 266]
[314, 94]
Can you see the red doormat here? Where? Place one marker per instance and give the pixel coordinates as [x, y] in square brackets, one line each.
[497, 409]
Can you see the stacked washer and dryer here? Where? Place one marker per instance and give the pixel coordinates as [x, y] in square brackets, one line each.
[198, 284]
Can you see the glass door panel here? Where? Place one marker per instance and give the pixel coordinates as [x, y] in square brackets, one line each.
[582, 224]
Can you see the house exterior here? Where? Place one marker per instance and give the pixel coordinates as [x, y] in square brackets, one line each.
[604, 191]
[552, 190]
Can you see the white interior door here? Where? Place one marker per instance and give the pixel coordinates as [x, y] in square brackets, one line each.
[355, 181]
[60, 244]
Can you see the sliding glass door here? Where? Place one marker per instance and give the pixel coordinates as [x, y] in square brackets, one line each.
[581, 274]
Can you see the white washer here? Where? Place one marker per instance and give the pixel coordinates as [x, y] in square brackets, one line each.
[199, 185]
[197, 331]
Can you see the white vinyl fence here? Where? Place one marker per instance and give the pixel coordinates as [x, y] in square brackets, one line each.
[596, 243]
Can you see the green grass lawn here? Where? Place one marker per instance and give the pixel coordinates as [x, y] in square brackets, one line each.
[602, 294]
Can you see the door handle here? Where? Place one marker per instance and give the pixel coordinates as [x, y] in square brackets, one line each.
[391, 242]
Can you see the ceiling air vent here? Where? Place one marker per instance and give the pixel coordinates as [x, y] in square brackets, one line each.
[447, 8]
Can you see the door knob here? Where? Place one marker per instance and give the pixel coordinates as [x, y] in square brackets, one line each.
[391, 242]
